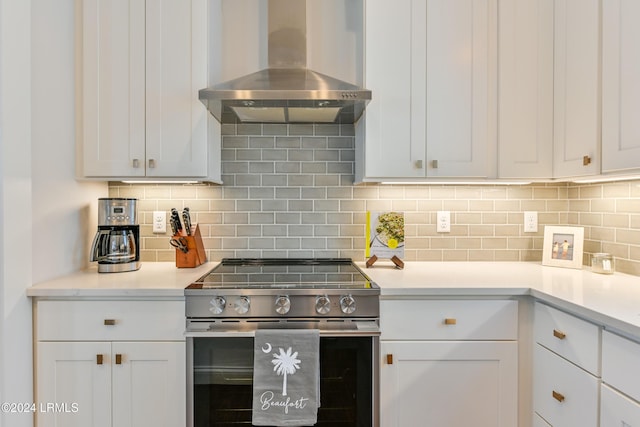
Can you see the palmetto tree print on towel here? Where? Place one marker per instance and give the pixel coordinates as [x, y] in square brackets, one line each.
[285, 364]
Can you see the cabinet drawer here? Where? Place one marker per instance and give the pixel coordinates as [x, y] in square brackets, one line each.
[109, 320]
[563, 394]
[618, 410]
[568, 336]
[449, 319]
[620, 357]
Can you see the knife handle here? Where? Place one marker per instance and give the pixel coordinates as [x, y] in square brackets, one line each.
[186, 217]
[175, 221]
[187, 223]
[172, 222]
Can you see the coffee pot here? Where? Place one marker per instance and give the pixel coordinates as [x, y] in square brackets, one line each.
[116, 245]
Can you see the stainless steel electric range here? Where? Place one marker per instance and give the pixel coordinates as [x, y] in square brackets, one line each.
[226, 306]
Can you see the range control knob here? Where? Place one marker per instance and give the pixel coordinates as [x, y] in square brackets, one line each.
[323, 304]
[347, 304]
[242, 305]
[217, 305]
[283, 304]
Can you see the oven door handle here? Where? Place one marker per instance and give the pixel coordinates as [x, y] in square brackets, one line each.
[250, 334]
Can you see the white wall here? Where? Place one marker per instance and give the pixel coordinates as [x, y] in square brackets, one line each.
[15, 201]
[47, 217]
[64, 209]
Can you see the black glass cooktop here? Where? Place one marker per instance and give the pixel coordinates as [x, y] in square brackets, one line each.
[285, 273]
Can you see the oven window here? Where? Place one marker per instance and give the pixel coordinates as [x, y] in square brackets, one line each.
[223, 377]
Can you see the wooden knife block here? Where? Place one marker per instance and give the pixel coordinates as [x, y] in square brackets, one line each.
[195, 255]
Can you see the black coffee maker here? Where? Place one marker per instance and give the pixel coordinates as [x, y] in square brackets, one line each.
[116, 245]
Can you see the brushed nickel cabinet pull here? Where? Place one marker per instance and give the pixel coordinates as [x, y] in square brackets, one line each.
[586, 161]
[152, 163]
[99, 359]
[389, 359]
[450, 321]
[109, 322]
[434, 164]
[136, 163]
[559, 334]
[418, 164]
[557, 396]
[118, 359]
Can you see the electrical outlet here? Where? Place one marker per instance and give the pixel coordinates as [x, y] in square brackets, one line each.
[159, 222]
[531, 222]
[443, 222]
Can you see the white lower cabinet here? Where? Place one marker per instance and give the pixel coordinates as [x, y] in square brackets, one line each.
[122, 381]
[620, 389]
[134, 383]
[618, 410]
[563, 393]
[442, 366]
[67, 373]
[566, 369]
[449, 384]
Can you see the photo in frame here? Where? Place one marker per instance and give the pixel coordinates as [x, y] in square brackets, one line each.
[563, 246]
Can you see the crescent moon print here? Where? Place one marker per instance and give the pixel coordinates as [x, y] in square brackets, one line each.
[267, 348]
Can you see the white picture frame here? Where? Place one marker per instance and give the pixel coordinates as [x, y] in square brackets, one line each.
[563, 246]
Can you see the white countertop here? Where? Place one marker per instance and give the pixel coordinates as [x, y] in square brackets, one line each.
[153, 279]
[613, 300]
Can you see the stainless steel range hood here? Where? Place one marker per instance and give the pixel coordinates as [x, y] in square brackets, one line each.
[286, 92]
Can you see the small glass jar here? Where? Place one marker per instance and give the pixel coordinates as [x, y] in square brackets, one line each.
[602, 263]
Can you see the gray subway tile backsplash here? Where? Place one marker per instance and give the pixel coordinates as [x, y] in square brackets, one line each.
[288, 191]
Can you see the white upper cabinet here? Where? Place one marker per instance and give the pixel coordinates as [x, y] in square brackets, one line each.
[620, 85]
[576, 130]
[431, 66]
[388, 148]
[143, 64]
[461, 73]
[525, 89]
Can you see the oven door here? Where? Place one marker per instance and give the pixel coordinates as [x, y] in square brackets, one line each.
[220, 380]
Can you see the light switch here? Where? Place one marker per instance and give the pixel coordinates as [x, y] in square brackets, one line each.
[159, 222]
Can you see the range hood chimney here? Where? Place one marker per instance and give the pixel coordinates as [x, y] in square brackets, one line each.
[286, 92]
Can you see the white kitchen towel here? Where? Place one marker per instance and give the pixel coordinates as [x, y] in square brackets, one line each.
[286, 377]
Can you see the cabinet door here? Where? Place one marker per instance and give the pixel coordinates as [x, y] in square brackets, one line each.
[113, 88]
[620, 85]
[68, 373]
[142, 116]
[392, 148]
[461, 77]
[176, 64]
[432, 68]
[618, 410]
[149, 384]
[576, 82]
[525, 95]
[432, 383]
